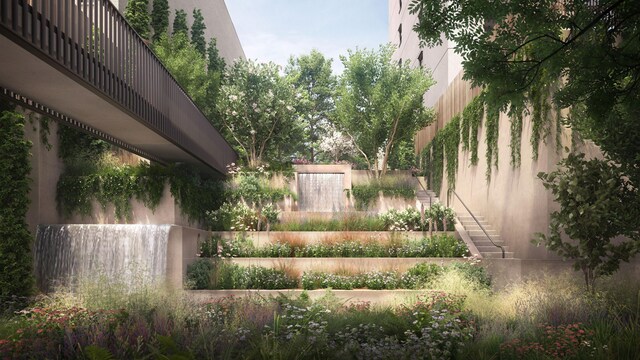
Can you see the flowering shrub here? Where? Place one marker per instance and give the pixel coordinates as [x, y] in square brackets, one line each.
[416, 277]
[555, 342]
[402, 220]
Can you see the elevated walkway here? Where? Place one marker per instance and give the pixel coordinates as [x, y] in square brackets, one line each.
[82, 64]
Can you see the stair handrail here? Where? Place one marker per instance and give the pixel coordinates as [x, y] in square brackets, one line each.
[478, 222]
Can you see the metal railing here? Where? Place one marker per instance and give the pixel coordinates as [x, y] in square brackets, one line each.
[91, 40]
[478, 222]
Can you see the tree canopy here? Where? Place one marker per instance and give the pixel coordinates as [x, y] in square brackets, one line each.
[180, 22]
[380, 103]
[137, 15]
[312, 75]
[586, 56]
[197, 32]
[257, 111]
[159, 18]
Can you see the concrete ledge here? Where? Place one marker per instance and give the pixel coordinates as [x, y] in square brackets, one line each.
[296, 266]
[375, 297]
[262, 238]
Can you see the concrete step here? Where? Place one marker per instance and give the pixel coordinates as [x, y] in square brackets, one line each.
[497, 255]
[469, 219]
[489, 248]
[487, 243]
[479, 232]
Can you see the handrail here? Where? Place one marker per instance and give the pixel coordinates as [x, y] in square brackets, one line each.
[478, 222]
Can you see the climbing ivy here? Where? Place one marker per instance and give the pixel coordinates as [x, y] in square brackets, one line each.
[15, 240]
[540, 119]
[450, 143]
[516, 117]
[471, 119]
[492, 125]
[464, 130]
[91, 176]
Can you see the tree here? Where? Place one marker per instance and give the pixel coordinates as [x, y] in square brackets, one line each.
[515, 48]
[137, 15]
[257, 111]
[214, 61]
[335, 144]
[197, 32]
[159, 18]
[594, 209]
[584, 54]
[380, 103]
[187, 66]
[312, 75]
[180, 22]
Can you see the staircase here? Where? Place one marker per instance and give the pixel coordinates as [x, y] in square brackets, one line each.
[423, 197]
[480, 240]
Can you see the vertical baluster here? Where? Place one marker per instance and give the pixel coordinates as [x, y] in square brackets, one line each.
[4, 11]
[63, 8]
[34, 21]
[53, 23]
[14, 15]
[71, 36]
[25, 19]
[100, 8]
[43, 24]
[110, 19]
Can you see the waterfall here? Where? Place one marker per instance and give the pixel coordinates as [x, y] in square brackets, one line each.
[65, 254]
[321, 192]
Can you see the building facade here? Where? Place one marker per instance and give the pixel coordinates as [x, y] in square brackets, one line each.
[217, 19]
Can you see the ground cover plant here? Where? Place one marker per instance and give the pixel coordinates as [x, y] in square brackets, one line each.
[547, 318]
[222, 274]
[409, 219]
[440, 245]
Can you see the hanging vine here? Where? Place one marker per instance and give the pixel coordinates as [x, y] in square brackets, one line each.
[471, 119]
[492, 125]
[515, 144]
[450, 141]
[540, 119]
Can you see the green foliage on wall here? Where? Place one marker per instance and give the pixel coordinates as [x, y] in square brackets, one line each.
[365, 194]
[515, 144]
[90, 175]
[15, 239]
[491, 127]
[451, 141]
[471, 120]
[540, 119]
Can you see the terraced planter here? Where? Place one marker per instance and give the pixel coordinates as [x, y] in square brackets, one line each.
[262, 238]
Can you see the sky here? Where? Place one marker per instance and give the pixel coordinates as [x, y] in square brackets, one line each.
[273, 30]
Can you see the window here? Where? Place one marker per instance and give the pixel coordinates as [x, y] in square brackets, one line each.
[420, 57]
[400, 34]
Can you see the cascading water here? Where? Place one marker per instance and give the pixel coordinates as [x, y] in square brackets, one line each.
[65, 254]
[321, 192]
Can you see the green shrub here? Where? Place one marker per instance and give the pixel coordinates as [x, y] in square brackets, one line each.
[390, 186]
[199, 274]
[421, 275]
[474, 273]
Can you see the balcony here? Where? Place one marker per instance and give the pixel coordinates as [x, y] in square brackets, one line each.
[80, 62]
